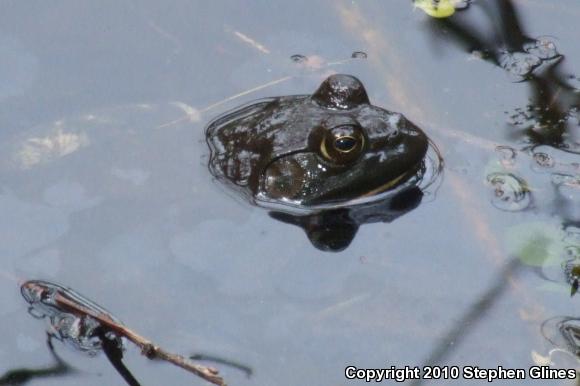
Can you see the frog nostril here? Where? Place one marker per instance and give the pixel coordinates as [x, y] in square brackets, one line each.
[345, 144]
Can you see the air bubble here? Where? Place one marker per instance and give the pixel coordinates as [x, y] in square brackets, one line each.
[510, 193]
[461, 4]
[507, 155]
[573, 252]
[566, 181]
[359, 55]
[519, 64]
[568, 195]
[544, 160]
[572, 234]
[79, 331]
[298, 58]
[563, 332]
[542, 48]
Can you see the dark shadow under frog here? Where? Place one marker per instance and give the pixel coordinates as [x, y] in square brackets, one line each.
[327, 162]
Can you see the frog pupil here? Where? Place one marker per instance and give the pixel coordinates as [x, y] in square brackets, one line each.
[345, 144]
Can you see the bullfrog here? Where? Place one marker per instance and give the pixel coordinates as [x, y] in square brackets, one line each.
[329, 149]
[326, 162]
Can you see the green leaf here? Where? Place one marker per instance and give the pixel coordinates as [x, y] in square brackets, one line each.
[536, 244]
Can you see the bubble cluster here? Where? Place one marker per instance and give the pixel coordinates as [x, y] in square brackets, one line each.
[80, 331]
[542, 48]
[521, 64]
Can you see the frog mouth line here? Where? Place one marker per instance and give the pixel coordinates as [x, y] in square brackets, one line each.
[378, 190]
[388, 185]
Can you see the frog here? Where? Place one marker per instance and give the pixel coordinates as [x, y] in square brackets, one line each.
[329, 149]
[315, 160]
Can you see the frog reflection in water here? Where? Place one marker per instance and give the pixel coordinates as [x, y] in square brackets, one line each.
[327, 162]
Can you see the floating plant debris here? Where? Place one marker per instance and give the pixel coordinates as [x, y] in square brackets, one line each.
[90, 328]
[441, 8]
[572, 272]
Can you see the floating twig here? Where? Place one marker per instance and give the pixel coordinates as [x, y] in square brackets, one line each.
[228, 362]
[248, 40]
[219, 103]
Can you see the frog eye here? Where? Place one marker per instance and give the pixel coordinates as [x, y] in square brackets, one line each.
[345, 144]
[342, 144]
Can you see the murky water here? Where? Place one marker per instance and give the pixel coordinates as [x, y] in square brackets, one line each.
[104, 187]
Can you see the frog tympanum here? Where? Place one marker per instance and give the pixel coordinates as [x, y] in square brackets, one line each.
[317, 159]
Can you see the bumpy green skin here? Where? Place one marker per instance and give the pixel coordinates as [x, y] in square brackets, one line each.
[287, 131]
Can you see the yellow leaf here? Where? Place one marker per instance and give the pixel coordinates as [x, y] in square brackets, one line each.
[438, 9]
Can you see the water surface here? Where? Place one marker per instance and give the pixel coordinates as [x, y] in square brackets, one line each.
[104, 188]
